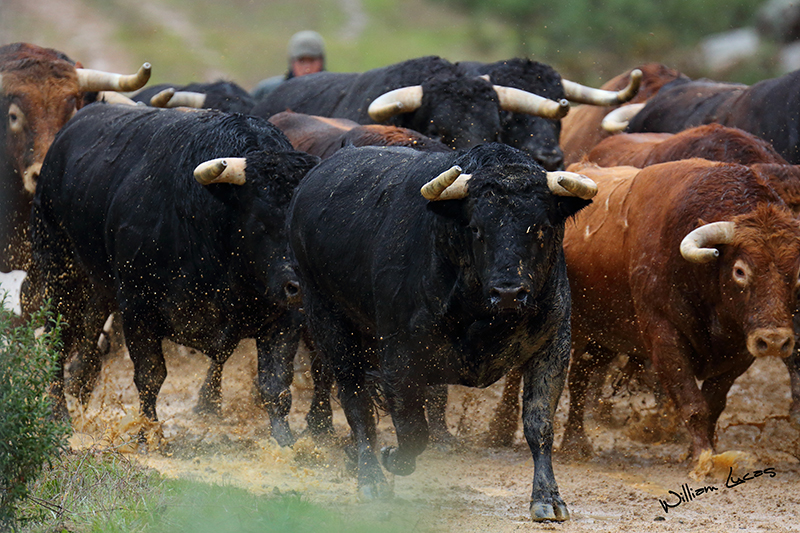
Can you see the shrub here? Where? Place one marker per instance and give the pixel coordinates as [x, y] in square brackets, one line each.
[29, 435]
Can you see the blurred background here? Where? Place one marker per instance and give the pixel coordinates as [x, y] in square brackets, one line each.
[245, 40]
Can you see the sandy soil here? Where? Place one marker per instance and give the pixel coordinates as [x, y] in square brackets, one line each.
[474, 487]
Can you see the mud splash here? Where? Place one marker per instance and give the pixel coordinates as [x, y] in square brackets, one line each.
[474, 487]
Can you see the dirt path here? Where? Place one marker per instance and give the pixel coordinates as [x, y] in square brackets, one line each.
[474, 488]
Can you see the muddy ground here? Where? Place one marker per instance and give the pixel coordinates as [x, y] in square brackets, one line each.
[474, 487]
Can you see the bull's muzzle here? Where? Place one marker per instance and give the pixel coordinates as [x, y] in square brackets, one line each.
[508, 298]
[777, 342]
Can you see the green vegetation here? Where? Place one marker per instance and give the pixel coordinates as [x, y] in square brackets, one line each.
[29, 437]
[104, 491]
[586, 40]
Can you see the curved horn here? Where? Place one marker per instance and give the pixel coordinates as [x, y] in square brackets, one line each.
[402, 100]
[162, 98]
[571, 184]
[173, 98]
[582, 94]
[112, 97]
[617, 120]
[449, 185]
[519, 101]
[697, 246]
[222, 170]
[97, 80]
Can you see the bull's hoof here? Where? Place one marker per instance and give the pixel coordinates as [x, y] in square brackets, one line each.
[320, 427]
[443, 440]
[392, 464]
[375, 491]
[543, 512]
[575, 446]
[282, 433]
[208, 408]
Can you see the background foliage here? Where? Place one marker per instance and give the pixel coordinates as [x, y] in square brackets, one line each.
[245, 40]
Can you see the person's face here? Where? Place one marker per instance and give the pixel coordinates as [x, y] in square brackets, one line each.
[306, 65]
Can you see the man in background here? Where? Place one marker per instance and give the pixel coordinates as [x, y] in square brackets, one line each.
[306, 56]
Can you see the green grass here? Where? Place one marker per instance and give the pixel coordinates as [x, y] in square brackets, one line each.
[104, 491]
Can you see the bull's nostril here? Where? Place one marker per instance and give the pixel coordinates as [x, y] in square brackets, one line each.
[761, 345]
[508, 298]
[292, 288]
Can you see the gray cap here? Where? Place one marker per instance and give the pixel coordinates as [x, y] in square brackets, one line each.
[306, 43]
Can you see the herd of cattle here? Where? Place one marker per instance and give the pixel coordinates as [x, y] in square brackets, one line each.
[415, 225]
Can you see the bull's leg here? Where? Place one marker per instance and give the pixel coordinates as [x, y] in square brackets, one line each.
[544, 376]
[149, 368]
[406, 401]
[276, 350]
[343, 349]
[586, 360]
[436, 409]
[209, 399]
[715, 391]
[506, 415]
[793, 366]
[669, 352]
[87, 364]
[320, 415]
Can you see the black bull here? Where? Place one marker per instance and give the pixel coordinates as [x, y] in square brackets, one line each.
[457, 108]
[401, 293]
[120, 222]
[769, 109]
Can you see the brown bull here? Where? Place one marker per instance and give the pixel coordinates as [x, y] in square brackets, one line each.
[712, 141]
[40, 90]
[700, 304]
[581, 128]
[322, 136]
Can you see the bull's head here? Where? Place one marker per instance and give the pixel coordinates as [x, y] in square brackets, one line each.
[267, 180]
[41, 90]
[460, 111]
[758, 256]
[512, 216]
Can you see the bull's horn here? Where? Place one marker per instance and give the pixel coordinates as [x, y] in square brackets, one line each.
[449, 185]
[223, 170]
[519, 101]
[112, 97]
[698, 245]
[563, 183]
[582, 94]
[1, 84]
[97, 80]
[173, 98]
[402, 100]
[162, 98]
[617, 120]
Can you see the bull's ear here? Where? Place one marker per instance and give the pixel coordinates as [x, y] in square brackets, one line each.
[568, 206]
[452, 209]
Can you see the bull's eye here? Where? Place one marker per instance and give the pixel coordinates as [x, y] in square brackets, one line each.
[16, 119]
[741, 273]
[476, 232]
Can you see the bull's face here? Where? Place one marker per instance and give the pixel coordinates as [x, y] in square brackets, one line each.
[536, 136]
[514, 246]
[459, 112]
[271, 178]
[511, 227]
[759, 273]
[34, 112]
